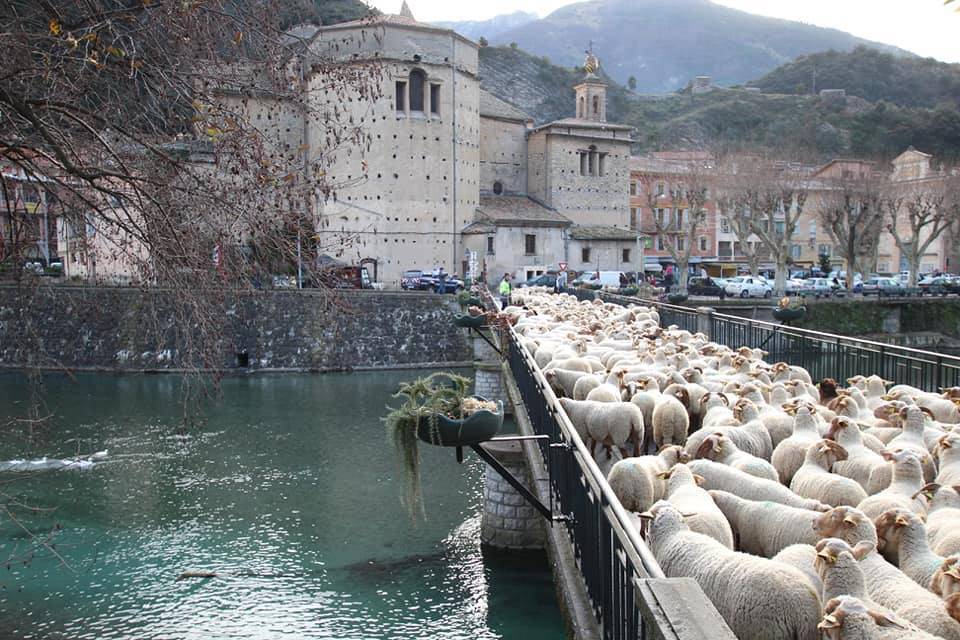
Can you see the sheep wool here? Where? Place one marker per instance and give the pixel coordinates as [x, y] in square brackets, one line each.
[723, 478]
[758, 598]
[635, 481]
[670, 421]
[814, 480]
[789, 454]
[705, 517]
[765, 528]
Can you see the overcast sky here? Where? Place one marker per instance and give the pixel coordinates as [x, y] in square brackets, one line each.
[925, 27]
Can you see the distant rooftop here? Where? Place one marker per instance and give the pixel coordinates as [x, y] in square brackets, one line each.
[518, 211]
[493, 107]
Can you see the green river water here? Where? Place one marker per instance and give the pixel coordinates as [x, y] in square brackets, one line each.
[288, 491]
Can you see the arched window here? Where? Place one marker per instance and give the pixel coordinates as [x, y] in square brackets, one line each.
[596, 105]
[498, 187]
[581, 110]
[418, 81]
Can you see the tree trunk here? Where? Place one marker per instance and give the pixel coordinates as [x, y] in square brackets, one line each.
[683, 267]
[780, 276]
[754, 265]
[851, 267]
[914, 261]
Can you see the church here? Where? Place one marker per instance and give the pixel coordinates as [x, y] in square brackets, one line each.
[454, 177]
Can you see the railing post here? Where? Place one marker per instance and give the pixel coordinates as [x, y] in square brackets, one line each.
[705, 321]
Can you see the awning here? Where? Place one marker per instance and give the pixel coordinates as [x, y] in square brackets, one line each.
[653, 268]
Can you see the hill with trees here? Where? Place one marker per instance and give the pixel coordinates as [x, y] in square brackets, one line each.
[869, 74]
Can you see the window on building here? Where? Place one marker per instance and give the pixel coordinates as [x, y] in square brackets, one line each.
[824, 250]
[584, 159]
[795, 251]
[591, 164]
[435, 99]
[625, 257]
[489, 244]
[780, 227]
[660, 246]
[883, 267]
[703, 243]
[813, 228]
[634, 219]
[659, 188]
[681, 243]
[724, 249]
[581, 108]
[633, 188]
[417, 81]
[724, 225]
[585, 254]
[601, 164]
[498, 187]
[401, 96]
[530, 244]
[596, 105]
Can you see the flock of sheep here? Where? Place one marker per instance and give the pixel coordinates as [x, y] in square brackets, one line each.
[801, 509]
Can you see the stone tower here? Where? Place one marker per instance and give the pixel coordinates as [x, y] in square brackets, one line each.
[592, 92]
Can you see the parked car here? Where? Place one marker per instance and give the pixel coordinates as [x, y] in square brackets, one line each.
[749, 287]
[603, 278]
[942, 285]
[883, 287]
[699, 286]
[545, 280]
[440, 282]
[410, 280]
[818, 287]
[793, 286]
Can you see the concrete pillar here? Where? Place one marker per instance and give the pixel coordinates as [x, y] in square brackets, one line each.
[488, 382]
[508, 521]
[704, 315]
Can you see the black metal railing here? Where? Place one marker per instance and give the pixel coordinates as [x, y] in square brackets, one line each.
[609, 551]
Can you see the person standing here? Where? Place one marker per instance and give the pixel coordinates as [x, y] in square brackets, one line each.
[561, 283]
[505, 289]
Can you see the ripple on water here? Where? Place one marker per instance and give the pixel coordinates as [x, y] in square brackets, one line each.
[288, 492]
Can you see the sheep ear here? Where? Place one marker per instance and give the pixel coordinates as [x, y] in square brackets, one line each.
[926, 491]
[699, 479]
[887, 455]
[901, 521]
[885, 619]
[862, 549]
[852, 519]
[663, 475]
[928, 412]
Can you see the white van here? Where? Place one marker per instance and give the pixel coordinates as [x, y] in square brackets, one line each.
[604, 278]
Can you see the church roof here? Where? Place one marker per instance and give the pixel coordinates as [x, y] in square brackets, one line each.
[585, 124]
[507, 211]
[602, 233]
[493, 107]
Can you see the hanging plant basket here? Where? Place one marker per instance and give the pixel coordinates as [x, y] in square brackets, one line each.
[436, 409]
[444, 431]
[629, 291]
[677, 298]
[787, 314]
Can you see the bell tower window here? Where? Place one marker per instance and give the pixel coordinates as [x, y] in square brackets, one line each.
[417, 81]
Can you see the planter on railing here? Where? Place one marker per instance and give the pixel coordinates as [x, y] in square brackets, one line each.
[470, 322]
[444, 431]
[677, 298]
[789, 314]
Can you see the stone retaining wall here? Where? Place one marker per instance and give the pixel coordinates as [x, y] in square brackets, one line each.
[128, 329]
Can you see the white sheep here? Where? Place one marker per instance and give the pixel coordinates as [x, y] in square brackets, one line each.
[789, 454]
[765, 528]
[723, 478]
[720, 448]
[814, 480]
[887, 585]
[583, 386]
[903, 541]
[635, 481]
[905, 487]
[943, 521]
[801, 557]
[564, 380]
[946, 579]
[948, 451]
[758, 598]
[861, 463]
[849, 618]
[670, 419]
[751, 436]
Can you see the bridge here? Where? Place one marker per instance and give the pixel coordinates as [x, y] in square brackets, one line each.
[614, 587]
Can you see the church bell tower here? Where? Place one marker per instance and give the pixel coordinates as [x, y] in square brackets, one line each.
[592, 92]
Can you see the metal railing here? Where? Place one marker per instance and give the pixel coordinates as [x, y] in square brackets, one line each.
[823, 355]
[613, 559]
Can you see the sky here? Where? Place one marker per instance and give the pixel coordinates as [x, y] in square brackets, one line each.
[924, 27]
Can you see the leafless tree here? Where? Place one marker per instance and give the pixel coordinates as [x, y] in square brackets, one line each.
[854, 212]
[737, 198]
[679, 214]
[121, 109]
[916, 221]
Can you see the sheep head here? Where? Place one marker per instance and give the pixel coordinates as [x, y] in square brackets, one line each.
[952, 605]
[946, 580]
[950, 392]
[838, 610]
[890, 526]
[674, 454]
[837, 425]
[711, 447]
[846, 523]
[832, 451]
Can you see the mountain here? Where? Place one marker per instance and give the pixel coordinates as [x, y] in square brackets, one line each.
[665, 43]
[870, 74]
[797, 127]
[476, 29]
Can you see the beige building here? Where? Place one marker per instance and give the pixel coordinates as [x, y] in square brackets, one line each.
[452, 176]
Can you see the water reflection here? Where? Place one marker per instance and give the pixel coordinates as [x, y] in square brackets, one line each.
[288, 493]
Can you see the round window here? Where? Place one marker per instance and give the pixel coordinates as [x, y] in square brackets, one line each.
[498, 187]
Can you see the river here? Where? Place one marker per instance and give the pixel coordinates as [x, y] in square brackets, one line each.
[286, 489]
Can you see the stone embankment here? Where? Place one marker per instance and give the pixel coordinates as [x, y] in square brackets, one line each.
[129, 329]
